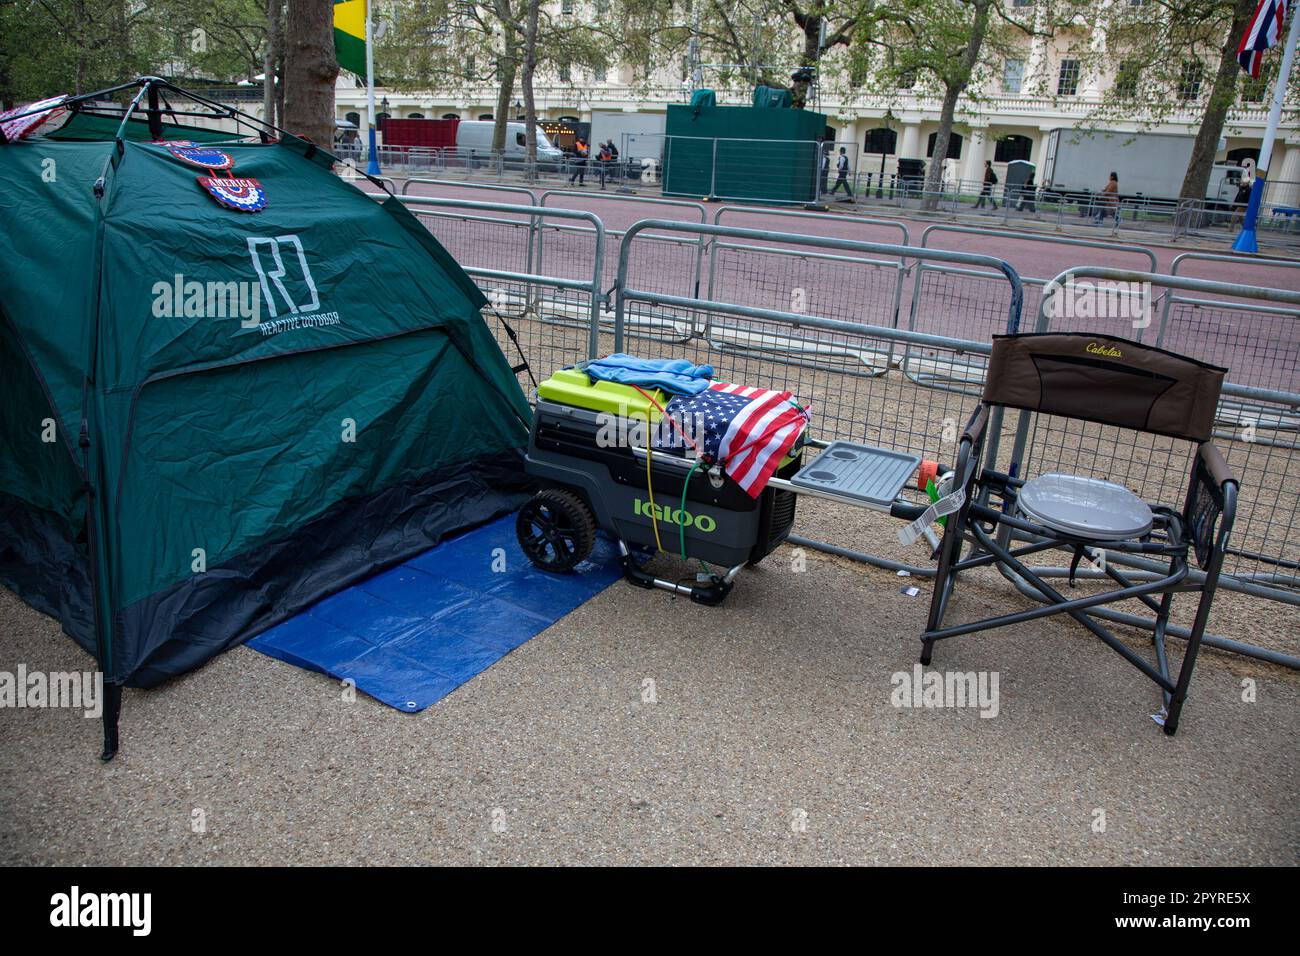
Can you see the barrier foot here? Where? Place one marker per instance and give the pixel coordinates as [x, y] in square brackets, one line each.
[1246, 242]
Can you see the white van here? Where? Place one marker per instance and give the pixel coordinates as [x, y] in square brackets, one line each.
[477, 135]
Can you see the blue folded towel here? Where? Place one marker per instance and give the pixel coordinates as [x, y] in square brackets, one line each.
[676, 376]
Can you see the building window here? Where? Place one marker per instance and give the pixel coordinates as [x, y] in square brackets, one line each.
[1189, 81]
[1126, 79]
[1013, 147]
[566, 74]
[1013, 75]
[415, 116]
[566, 6]
[600, 74]
[1067, 80]
[1254, 89]
[881, 140]
[451, 116]
[954, 145]
[1022, 3]
[354, 119]
[906, 80]
[471, 65]
[485, 116]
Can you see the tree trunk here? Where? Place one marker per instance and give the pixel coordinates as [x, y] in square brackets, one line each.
[310, 69]
[271, 60]
[1201, 164]
[509, 65]
[942, 136]
[954, 85]
[812, 35]
[526, 84]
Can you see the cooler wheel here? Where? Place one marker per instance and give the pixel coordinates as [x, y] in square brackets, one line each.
[556, 529]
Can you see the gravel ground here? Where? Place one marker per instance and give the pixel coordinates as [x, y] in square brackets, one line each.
[769, 738]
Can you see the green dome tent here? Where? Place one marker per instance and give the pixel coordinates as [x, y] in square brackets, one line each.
[224, 401]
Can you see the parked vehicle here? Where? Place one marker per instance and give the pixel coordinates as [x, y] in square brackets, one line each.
[1150, 166]
[476, 135]
[471, 139]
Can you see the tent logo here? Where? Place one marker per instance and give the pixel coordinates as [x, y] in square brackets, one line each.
[296, 292]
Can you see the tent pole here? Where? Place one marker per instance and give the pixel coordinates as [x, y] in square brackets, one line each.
[154, 113]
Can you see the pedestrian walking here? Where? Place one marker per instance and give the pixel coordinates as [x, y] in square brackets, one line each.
[580, 154]
[842, 174]
[986, 190]
[1109, 200]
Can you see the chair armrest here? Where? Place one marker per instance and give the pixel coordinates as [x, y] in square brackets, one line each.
[975, 427]
[1218, 469]
[1211, 508]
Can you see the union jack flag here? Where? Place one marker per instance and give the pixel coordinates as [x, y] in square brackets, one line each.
[1263, 31]
[748, 430]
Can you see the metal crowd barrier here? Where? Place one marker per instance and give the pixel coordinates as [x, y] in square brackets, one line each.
[470, 184]
[1034, 284]
[818, 217]
[1259, 343]
[677, 266]
[552, 331]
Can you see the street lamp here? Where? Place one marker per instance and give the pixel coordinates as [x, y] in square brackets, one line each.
[888, 120]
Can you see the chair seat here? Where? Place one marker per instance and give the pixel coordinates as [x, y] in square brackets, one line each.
[1085, 507]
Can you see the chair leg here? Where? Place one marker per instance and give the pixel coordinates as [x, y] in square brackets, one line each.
[945, 580]
[1179, 695]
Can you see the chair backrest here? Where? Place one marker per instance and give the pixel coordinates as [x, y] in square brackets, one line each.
[1104, 379]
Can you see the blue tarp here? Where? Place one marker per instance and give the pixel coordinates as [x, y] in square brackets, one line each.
[411, 635]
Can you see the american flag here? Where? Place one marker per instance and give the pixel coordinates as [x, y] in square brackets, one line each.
[748, 430]
[1263, 31]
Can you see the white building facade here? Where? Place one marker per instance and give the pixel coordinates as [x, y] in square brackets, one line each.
[1023, 97]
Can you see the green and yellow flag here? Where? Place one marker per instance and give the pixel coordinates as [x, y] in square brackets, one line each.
[350, 35]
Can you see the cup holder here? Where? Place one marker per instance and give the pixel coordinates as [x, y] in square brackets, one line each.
[822, 475]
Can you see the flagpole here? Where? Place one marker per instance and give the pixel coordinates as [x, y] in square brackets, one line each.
[1246, 241]
[372, 167]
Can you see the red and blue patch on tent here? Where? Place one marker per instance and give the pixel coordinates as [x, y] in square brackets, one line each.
[205, 157]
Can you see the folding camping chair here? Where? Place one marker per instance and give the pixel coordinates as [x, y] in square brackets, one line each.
[1113, 382]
